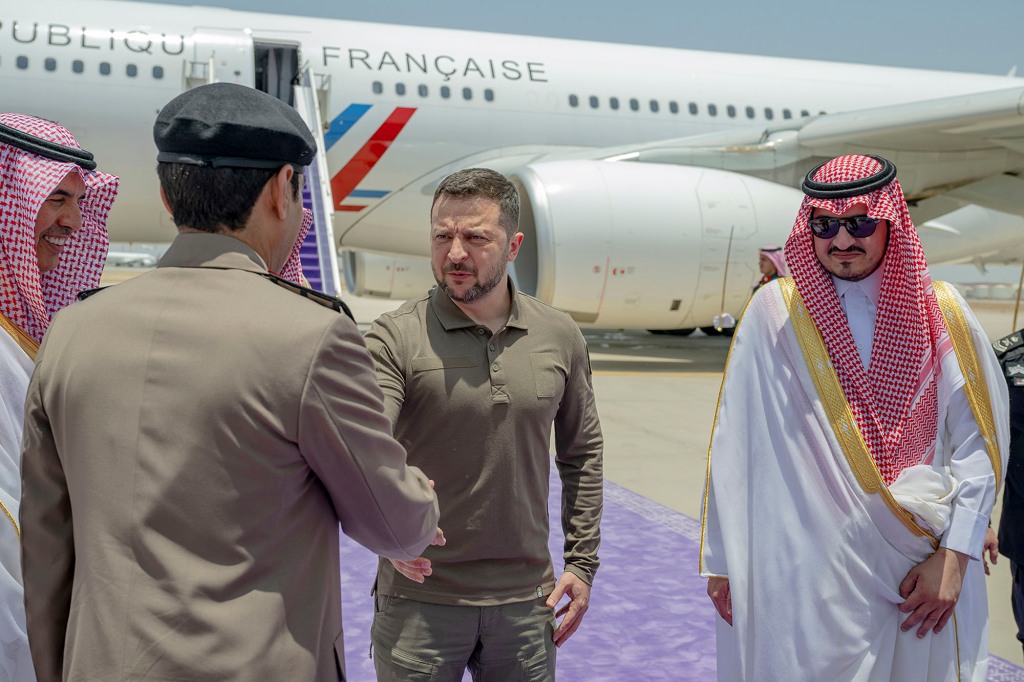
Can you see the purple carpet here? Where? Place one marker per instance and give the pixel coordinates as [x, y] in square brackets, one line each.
[649, 618]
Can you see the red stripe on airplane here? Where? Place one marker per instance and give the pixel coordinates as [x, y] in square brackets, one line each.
[349, 208]
[349, 177]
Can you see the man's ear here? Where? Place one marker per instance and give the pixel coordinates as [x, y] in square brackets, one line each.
[163, 198]
[281, 193]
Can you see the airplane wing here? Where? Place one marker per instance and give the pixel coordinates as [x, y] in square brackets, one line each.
[950, 152]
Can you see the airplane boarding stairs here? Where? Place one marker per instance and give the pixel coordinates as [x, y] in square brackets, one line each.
[318, 254]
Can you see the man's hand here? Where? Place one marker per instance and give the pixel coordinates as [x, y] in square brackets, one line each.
[931, 590]
[992, 547]
[718, 590]
[578, 592]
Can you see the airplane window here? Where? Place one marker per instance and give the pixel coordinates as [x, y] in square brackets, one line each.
[574, 101]
[693, 108]
[50, 64]
[750, 112]
[768, 113]
[673, 107]
[805, 113]
[654, 106]
[78, 66]
[158, 72]
[446, 92]
[422, 90]
[786, 113]
[489, 95]
[731, 110]
[378, 87]
[22, 62]
[399, 88]
[467, 93]
[104, 68]
[712, 110]
[132, 71]
[634, 105]
[593, 102]
[613, 102]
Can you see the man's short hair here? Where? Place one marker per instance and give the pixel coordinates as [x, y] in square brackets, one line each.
[484, 183]
[211, 199]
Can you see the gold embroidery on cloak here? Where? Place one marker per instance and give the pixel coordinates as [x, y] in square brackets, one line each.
[27, 343]
[837, 409]
[975, 385]
[30, 346]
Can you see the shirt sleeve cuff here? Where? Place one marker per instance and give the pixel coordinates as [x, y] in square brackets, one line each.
[966, 532]
[586, 577]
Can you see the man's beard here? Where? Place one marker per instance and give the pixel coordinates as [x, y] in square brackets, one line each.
[478, 290]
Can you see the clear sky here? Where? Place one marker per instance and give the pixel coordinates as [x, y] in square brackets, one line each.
[955, 35]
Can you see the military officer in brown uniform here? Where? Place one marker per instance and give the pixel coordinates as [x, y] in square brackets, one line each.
[195, 435]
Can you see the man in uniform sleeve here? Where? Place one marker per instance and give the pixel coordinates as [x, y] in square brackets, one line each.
[194, 436]
[858, 447]
[1010, 351]
[475, 374]
[53, 243]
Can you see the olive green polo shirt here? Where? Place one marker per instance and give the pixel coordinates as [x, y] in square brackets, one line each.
[475, 412]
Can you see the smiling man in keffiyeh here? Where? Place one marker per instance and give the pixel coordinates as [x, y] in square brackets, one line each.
[859, 443]
[53, 244]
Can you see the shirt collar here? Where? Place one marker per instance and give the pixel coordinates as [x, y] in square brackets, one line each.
[452, 317]
[209, 250]
[871, 286]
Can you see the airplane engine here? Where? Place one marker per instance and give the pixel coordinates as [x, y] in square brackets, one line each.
[623, 244]
[372, 274]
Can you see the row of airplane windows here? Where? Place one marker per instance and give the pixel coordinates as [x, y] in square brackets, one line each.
[424, 91]
[613, 102]
[712, 109]
[78, 66]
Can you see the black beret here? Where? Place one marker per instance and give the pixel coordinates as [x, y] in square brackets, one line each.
[225, 125]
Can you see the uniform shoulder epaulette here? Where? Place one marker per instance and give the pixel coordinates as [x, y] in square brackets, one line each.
[82, 295]
[1008, 343]
[326, 300]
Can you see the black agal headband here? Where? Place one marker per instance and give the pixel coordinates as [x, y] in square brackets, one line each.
[851, 188]
[50, 150]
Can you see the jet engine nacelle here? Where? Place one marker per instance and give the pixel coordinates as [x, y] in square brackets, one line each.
[372, 274]
[634, 245]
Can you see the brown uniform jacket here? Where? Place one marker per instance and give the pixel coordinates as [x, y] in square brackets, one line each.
[192, 439]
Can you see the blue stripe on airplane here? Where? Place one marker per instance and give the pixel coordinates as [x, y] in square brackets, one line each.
[369, 193]
[343, 122]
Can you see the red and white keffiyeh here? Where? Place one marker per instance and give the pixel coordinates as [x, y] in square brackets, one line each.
[28, 298]
[895, 400]
[292, 270]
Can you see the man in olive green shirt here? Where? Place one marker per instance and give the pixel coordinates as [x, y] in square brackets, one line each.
[474, 375]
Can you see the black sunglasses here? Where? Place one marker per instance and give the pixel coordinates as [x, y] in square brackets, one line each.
[859, 226]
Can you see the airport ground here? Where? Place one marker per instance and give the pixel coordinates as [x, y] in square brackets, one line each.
[657, 396]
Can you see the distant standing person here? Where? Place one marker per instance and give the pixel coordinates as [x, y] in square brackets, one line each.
[194, 436]
[475, 373]
[771, 261]
[53, 243]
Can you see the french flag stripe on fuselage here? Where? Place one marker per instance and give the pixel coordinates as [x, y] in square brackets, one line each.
[344, 183]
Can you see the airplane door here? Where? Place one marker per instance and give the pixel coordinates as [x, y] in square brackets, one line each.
[277, 69]
[221, 56]
[728, 254]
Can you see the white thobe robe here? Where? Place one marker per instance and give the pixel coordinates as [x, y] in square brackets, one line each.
[814, 562]
[15, 371]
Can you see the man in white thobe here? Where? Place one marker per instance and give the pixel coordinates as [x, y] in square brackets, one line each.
[53, 244]
[859, 443]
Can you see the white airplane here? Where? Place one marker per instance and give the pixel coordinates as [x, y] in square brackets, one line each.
[649, 176]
